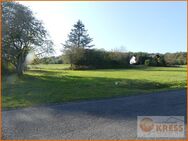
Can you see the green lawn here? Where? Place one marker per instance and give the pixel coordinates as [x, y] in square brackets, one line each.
[45, 84]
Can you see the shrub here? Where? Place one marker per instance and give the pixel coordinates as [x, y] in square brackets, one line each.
[147, 62]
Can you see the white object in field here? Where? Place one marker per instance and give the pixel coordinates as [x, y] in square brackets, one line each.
[132, 60]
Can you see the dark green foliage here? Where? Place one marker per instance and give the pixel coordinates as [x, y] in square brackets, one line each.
[141, 57]
[50, 60]
[8, 68]
[94, 59]
[78, 37]
[78, 41]
[156, 60]
[147, 62]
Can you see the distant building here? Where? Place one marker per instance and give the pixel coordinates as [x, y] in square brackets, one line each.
[132, 60]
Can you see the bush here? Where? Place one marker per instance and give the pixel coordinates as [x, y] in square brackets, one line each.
[147, 62]
[155, 61]
[178, 58]
[93, 58]
[7, 68]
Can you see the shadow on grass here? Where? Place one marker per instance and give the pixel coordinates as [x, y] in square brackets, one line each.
[44, 89]
[148, 69]
[164, 68]
[44, 72]
[130, 67]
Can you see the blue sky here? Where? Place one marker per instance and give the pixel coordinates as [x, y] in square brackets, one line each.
[131, 26]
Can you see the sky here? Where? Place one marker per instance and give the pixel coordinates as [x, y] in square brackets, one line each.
[154, 27]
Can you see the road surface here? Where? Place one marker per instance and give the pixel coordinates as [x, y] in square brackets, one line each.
[114, 118]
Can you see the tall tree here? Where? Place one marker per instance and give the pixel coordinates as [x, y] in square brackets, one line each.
[78, 37]
[21, 34]
[78, 40]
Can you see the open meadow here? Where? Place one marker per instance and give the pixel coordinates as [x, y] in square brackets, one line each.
[46, 84]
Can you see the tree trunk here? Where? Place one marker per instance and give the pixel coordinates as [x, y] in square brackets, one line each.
[19, 70]
[20, 66]
[71, 65]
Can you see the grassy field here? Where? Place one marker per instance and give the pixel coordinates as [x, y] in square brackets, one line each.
[46, 84]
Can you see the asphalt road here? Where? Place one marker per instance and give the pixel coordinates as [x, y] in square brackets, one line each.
[98, 119]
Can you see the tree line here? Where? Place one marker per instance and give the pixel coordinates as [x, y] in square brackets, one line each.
[96, 58]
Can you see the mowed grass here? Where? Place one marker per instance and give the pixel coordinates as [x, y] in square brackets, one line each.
[47, 84]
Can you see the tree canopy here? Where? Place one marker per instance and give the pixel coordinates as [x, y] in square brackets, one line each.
[78, 37]
[21, 34]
